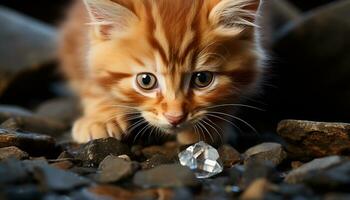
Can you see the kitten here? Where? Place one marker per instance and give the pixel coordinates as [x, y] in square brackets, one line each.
[170, 66]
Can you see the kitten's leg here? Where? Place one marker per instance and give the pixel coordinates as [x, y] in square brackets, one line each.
[100, 120]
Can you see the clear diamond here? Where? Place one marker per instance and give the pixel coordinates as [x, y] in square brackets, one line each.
[203, 159]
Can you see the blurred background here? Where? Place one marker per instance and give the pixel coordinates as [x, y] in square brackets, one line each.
[308, 74]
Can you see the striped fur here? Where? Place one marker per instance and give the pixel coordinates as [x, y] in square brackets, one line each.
[114, 40]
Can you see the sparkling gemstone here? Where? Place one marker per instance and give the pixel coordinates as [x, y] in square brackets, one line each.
[203, 159]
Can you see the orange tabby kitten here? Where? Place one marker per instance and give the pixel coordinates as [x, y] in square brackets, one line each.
[170, 66]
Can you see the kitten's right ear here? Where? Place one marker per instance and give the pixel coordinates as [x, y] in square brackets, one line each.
[107, 17]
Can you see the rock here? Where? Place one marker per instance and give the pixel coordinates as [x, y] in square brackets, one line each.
[170, 150]
[12, 152]
[269, 152]
[333, 178]
[83, 171]
[118, 193]
[173, 175]
[125, 157]
[95, 151]
[256, 169]
[17, 118]
[156, 160]
[229, 156]
[65, 155]
[257, 190]
[64, 165]
[298, 175]
[65, 110]
[52, 179]
[34, 144]
[113, 169]
[24, 191]
[314, 139]
[12, 171]
[31, 45]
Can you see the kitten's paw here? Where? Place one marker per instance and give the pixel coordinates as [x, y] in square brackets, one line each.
[86, 129]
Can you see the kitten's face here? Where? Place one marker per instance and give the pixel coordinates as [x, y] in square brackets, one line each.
[172, 60]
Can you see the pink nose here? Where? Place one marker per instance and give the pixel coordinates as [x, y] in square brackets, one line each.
[174, 119]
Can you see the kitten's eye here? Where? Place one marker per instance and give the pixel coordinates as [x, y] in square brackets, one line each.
[146, 81]
[202, 79]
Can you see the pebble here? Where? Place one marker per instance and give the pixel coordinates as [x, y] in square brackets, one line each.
[257, 190]
[12, 152]
[170, 175]
[229, 156]
[266, 152]
[306, 139]
[113, 169]
[95, 151]
[156, 160]
[298, 175]
[34, 144]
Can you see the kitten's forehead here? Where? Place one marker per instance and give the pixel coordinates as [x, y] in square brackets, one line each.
[174, 31]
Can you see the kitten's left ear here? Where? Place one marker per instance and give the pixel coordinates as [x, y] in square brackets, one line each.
[230, 17]
[107, 16]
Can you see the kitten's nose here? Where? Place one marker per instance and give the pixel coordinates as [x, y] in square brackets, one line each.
[174, 119]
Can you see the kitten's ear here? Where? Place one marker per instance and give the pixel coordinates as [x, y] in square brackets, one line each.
[107, 16]
[230, 17]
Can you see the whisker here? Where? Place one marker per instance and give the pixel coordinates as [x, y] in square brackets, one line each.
[220, 136]
[226, 120]
[237, 118]
[135, 125]
[211, 137]
[238, 105]
[140, 131]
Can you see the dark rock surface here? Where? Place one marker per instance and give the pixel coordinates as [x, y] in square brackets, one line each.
[95, 151]
[306, 139]
[34, 144]
[173, 175]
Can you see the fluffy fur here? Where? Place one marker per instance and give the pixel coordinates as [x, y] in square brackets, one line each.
[106, 44]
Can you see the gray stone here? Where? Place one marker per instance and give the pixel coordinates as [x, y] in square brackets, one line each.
[34, 144]
[306, 139]
[95, 151]
[298, 175]
[173, 175]
[113, 169]
[12, 171]
[269, 152]
[52, 179]
[334, 178]
[12, 152]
